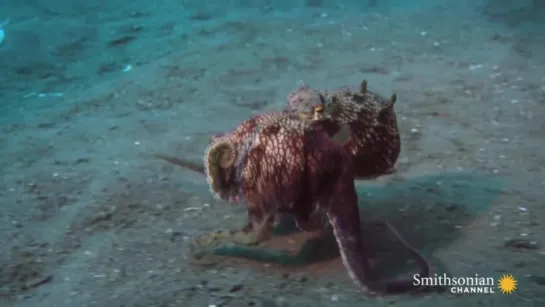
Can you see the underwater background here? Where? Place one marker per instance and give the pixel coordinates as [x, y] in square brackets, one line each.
[88, 89]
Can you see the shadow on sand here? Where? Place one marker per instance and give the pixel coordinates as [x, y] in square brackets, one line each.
[428, 211]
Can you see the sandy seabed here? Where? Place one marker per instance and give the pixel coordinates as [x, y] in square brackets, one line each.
[88, 90]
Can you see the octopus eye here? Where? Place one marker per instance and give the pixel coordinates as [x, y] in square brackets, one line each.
[319, 109]
[319, 112]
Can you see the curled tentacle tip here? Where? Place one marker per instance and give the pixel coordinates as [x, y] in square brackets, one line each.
[219, 158]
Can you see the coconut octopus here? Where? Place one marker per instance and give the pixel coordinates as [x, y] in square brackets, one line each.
[278, 163]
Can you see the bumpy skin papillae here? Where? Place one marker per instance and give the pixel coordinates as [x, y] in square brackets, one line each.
[363, 121]
[289, 166]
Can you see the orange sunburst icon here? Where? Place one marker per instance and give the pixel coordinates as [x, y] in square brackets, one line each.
[507, 284]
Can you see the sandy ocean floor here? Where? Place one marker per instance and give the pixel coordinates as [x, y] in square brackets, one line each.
[89, 88]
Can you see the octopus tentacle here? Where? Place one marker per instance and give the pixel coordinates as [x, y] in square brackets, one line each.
[404, 285]
[343, 215]
[219, 157]
[248, 236]
[345, 222]
[199, 168]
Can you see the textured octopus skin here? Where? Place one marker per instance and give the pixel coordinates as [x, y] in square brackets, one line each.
[285, 165]
[369, 122]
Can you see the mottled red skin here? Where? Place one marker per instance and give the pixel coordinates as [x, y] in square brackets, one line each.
[246, 128]
[284, 165]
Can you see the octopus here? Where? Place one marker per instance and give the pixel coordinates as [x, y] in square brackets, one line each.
[277, 163]
[362, 121]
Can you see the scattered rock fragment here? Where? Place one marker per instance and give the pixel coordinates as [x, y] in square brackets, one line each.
[521, 244]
